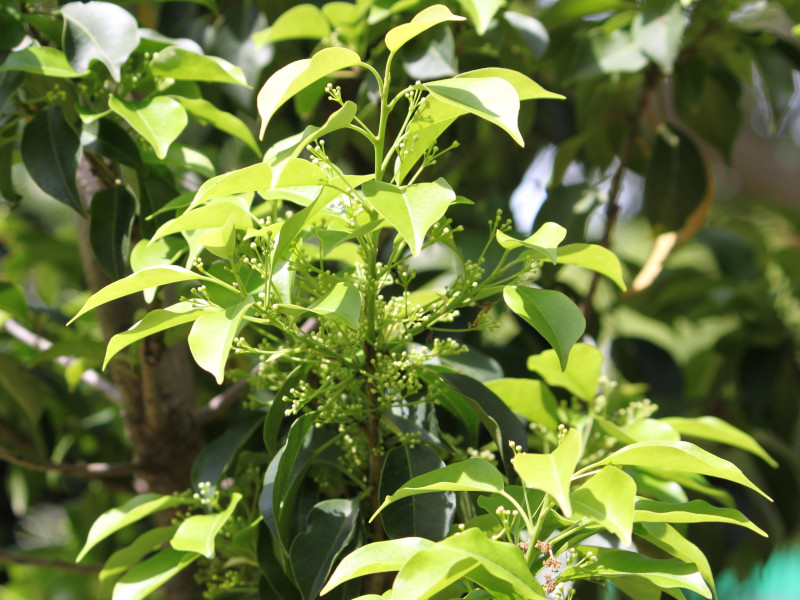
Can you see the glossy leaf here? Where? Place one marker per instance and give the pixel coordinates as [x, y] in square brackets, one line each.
[159, 120]
[331, 526]
[112, 141]
[551, 473]
[112, 212]
[288, 81]
[301, 22]
[41, 60]
[471, 475]
[490, 98]
[696, 511]
[542, 245]
[148, 576]
[528, 397]
[422, 21]
[481, 12]
[551, 313]
[125, 558]
[222, 240]
[205, 112]
[133, 510]
[527, 88]
[377, 557]
[679, 456]
[153, 322]
[595, 258]
[530, 30]
[50, 149]
[413, 210]
[198, 532]
[98, 31]
[608, 499]
[216, 457]
[581, 375]
[717, 430]
[212, 335]
[242, 181]
[184, 65]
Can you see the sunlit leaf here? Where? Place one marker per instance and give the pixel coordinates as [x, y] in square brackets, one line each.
[198, 532]
[424, 20]
[212, 335]
[159, 120]
[581, 375]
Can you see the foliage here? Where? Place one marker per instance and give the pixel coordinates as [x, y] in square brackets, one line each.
[340, 280]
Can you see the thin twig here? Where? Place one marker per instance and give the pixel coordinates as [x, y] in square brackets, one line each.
[90, 377]
[85, 471]
[48, 563]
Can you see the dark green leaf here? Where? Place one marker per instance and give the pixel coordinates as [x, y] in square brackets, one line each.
[112, 212]
[113, 142]
[280, 403]
[216, 457]
[7, 191]
[563, 11]
[12, 300]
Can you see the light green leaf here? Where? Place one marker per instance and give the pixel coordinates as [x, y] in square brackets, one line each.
[41, 60]
[551, 473]
[679, 456]
[212, 334]
[159, 120]
[294, 225]
[338, 120]
[527, 88]
[481, 12]
[146, 577]
[424, 20]
[611, 52]
[593, 257]
[184, 157]
[242, 181]
[184, 65]
[696, 511]
[658, 30]
[430, 120]
[198, 532]
[490, 98]
[296, 76]
[431, 571]
[564, 11]
[126, 557]
[377, 557]
[221, 241]
[137, 282]
[717, 430]
[608, 498]
[471, 475]
[542, 244]
[133, 510]
[413, 210]
[301, 22]
[551, 313]
[161, 252]
[153, 322]
[205, 112]
[342, 302]
[530, 398]
[579, 377]
[98, 31]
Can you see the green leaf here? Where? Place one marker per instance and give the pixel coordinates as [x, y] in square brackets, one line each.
[198, 532]
[127, 557]
[12, 300]
[430, 571]
[579, 377]
[679, 456]
[563, 11]
[717, 430]
[133, 510]
[137, 282]
[431, 56]
[301, 22]
[242, 181]
[112, 212]
[212, 335]
[471, 475]
[146, 577]
[208, 216]
[276, 414]
[551, 473]
[659, 30]
[527, 88]
[206, 113]
[331, 526]
[113, 142]
[422, 21]
[610, 52]
[184, 157]
[23, 387]
[676, 182]
[430, 120]
[98, 31]
[293, 226]
[413, 210]
[216, 457]
[50, 149]
[184, 65]
[338, 120]
[551, 313]
[159, 120]
[296, 76]
[542, 244]
[608, 498]
[528, 397]
[667, 573]
[160, 252]
[490, 98]
[427, 516]
[222, 240]
[377, 557]
[41, 60]
[595, 258]
[696, 511]
[342, 302]
[153, 322]
[481, 12]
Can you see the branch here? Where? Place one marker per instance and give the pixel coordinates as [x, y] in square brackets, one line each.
[48, 563]
[90, 377]
[86, 471]
[222, 401]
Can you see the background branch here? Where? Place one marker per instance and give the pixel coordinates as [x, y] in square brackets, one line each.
[48, 563]
[86, 471]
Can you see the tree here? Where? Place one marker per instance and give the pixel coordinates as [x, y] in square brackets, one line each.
[317, 290]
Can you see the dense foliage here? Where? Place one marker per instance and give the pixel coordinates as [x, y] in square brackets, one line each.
[375, 337]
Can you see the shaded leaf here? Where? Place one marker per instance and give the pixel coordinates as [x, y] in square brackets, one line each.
[112, 212]
[658, 30]
[216, 457]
